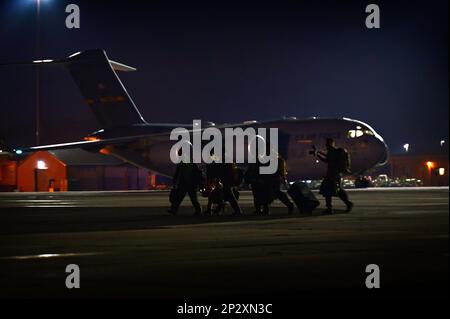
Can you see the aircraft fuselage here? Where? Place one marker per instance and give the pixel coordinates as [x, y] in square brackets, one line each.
[295, 140]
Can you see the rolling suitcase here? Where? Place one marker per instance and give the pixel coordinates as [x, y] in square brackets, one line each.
[303, 197]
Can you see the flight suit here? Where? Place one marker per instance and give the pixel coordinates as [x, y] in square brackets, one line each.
[332, 183]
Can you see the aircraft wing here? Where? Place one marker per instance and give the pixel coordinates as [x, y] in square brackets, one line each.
[94, 144]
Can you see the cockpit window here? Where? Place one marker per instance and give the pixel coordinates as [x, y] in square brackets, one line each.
[354, 133]
[358, 132]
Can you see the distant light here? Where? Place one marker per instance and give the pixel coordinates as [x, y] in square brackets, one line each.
[41, 165]
[35, 2]
[317, 161]
[442, 142]
[19, 152]
[308, 181]
[441, 171]
[406, 147]
[105, 151]
[430, 165]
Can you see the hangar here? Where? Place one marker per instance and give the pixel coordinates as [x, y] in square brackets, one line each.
[72, 170]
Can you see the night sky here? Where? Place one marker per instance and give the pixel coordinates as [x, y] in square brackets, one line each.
[229, 62]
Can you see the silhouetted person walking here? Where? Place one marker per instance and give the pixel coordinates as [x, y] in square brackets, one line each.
[280, 178]
[267, 187]
[187, 179]
[226, 176]
[338, 163]
[221, 180]
[261, 189]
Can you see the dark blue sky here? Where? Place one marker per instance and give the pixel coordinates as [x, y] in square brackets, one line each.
[229, 61]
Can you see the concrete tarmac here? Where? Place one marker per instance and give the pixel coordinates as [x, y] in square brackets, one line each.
[126, 245]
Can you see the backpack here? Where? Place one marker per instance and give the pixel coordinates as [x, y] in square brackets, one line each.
[282, 168]
[343, 161]
[237, 175]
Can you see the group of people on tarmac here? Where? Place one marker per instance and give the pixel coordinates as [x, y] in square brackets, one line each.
[222, 179]
[220, 187]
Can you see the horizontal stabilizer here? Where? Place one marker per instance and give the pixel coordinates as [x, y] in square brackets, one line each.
[121, 67]
[117, 66]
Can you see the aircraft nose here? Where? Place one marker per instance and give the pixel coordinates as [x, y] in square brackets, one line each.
[382, 152]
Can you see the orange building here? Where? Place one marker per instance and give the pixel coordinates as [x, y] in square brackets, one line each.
[71, 170]
[42, 172]
[8, 176]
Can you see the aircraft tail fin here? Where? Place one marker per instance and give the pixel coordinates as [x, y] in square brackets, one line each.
[96, 77]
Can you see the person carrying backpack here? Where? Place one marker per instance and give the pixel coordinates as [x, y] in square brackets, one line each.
[338, 161]
[267, 187]
[187, 180]
[222, 179]
[262, 193]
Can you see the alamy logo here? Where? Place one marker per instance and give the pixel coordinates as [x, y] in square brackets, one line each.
[73, 279]
[373, 279]
[373, 19]
[249, 145]
[73, 19]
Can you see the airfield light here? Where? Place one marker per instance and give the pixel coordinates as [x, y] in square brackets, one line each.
[430, 165]
[406, 147]
[19, 152]
[441, 171]
[41, 165]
